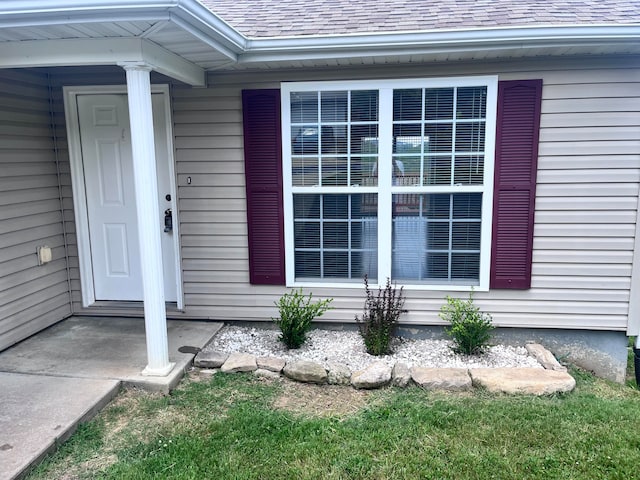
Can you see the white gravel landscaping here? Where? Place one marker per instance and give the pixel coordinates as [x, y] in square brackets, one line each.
[346, 347]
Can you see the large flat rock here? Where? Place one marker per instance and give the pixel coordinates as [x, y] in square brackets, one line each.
[544, 357]
[305, 371]
[239, 362]
[210, 359]
[533, 381]
[451, 379]
[272, 364]
[375, 375]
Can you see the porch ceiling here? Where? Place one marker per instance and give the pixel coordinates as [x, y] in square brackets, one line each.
[167, 34]
[183, 39]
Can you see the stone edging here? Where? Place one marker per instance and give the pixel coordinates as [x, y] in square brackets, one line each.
[535, 381]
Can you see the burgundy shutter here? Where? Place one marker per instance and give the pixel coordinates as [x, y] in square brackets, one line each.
[518, 125]
[263, 173]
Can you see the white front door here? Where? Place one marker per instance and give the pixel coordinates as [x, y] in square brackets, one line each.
[105, 141]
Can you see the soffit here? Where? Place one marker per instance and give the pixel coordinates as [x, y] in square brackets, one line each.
[164, 33]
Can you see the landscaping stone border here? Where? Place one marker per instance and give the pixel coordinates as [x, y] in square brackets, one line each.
[552, 378]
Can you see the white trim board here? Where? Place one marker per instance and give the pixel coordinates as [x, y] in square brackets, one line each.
[386, 87]
[100, 51]
[79, 192]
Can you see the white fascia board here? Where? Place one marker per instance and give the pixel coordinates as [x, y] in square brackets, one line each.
[99, 51]
[314, 47]
[210, 26]
[30, 7]
[46, 19]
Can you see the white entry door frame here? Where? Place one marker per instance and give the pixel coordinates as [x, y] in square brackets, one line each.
[71, 95]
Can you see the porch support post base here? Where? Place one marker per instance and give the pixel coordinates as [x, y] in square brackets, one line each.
[162, 372]
[149, 219]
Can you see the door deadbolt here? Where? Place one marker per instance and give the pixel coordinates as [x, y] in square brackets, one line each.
[168, 220]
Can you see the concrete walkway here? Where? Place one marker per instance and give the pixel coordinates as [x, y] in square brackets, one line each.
[64, 375]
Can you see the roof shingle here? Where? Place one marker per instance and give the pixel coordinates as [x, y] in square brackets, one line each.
[276, 18]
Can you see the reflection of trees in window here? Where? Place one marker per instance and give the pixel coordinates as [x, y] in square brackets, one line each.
[327, 132]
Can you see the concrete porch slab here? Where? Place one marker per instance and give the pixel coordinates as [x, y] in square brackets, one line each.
[105, 348]
[67, 373]
[37, 413]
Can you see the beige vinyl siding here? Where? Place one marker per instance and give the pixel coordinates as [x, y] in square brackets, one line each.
[589, 171]
[59, 78]
[212, 208]
[70, 76]
[32, 297]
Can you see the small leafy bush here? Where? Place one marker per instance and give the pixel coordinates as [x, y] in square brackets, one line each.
[296, 314]
[470, 328]
[380, 318]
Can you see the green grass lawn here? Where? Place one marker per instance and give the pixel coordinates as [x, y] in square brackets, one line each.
[239, 427]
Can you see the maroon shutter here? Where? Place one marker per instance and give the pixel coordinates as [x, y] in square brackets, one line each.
[518, 124]
[263, 174]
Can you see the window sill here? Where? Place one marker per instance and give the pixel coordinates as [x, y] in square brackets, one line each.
[452, 287]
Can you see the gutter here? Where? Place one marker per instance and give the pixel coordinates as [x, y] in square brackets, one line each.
[523, 33]
[282, 48]
[39, 7]
[196, 14]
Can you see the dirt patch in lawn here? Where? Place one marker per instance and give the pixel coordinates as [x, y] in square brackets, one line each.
[320, 400]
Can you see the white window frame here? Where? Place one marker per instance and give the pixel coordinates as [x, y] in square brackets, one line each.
[386, 190]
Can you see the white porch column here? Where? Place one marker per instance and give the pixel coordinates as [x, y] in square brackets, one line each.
[146, 185]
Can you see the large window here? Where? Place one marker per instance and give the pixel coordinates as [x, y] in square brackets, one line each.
[389, 179]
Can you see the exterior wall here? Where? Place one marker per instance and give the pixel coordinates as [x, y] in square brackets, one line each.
[73, 76]
[32, 297]
[587, 197]
[589, 170]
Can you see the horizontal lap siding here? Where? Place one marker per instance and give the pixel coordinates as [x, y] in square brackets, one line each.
[32, 297]
[588, 176]
[72, 76]
[215, 257]
[66, 77]
[589, 170]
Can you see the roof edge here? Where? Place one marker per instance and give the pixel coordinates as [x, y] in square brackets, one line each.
[409, 43]
[210, 28]
[39, 7]
[469, 35]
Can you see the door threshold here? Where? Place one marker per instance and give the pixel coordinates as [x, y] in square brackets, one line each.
[122, 304]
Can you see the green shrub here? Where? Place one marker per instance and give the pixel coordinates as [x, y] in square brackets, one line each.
[296, 314]
[381, 312]
[470, 328]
